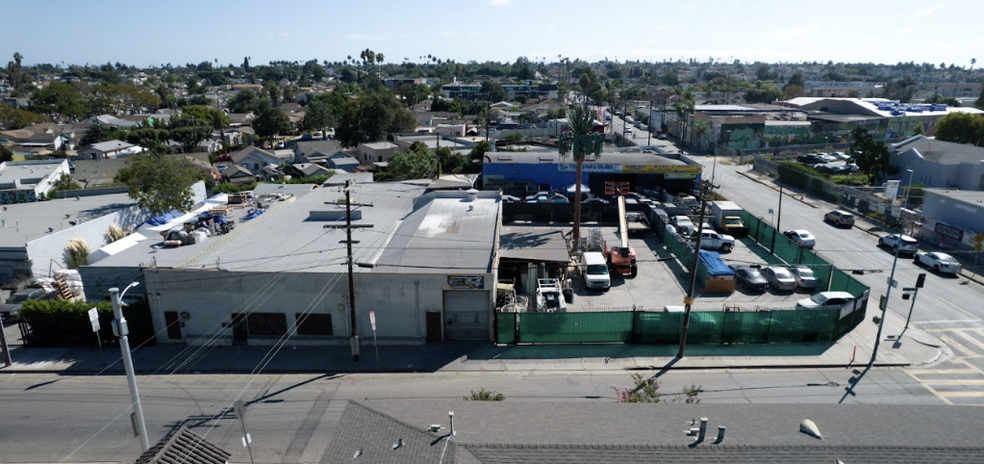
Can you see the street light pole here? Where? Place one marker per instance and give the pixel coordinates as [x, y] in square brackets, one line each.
[883, 304]
[122, 330]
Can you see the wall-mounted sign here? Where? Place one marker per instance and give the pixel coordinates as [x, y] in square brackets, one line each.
[466, 282]
[949, 231]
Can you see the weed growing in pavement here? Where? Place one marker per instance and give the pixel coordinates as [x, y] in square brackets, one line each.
[646, 390]
[485, 395]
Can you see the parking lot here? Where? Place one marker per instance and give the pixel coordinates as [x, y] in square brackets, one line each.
[662, 281]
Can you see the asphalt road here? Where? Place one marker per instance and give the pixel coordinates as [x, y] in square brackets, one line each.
[51, 418]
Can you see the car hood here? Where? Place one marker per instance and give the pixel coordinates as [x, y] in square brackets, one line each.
[807, 303]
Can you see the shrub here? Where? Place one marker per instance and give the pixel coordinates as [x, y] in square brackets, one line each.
[77, 253]
[66, 323]
[646, 390]
[485, 395]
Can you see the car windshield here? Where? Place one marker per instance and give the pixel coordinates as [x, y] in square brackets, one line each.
[943, 258]
[819, 298]
[597, 269]
[18, 298]
[731, 221]
[908, 240]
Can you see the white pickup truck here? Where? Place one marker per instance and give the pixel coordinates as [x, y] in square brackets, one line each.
[711, 240]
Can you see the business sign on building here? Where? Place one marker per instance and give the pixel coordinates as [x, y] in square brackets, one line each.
[466, 282]
[590, 167]
[949, 231]
[692, 169]
[892, 189]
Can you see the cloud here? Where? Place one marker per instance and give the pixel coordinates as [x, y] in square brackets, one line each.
[500, 2]
[687, 8]
[927, 12]
[372, 38]
[793, 33]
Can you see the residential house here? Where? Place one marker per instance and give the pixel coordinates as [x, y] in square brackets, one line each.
[236, 174]
[376, 151]
[313, 150]
[343, 162]
[254, 158]
[109, 149]
[301, 170]
[939, 164]
[110, 120]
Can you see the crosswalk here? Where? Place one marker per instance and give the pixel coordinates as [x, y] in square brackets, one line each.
[960, 380]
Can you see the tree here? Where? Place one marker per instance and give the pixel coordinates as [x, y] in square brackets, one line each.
[101, 133]
[59, 99]
[189, 130]
[763, 94]
[246, 101]
[979, 103]
[217, 119]
[873, 159]
[271, 122]
[5, 154]
[581, 122]
[796, 79]
[13, 118]
[901, 90]
[492, 92]
[961, 128]
[319, 116]
[700, 130]
[65, 182]
[371, 117]
[160, 182]
[416, 163]
[793, 91]
[919, 130]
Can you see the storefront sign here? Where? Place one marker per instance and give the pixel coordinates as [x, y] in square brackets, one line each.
[466, 282]
[949, 231]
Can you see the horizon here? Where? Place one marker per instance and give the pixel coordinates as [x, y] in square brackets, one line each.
[770, 31]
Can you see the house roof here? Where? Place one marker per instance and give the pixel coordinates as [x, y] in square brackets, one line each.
[184, 446]
[533, 243]
[248, 152]
[309, 169]
[111, 145]
[17, 175]
[235, 170]
[593, 432]
[312, 147]
[940, 151]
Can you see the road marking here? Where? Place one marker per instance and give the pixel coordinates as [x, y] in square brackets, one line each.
[970, 339]
[943, 371]
[929, 388]
[965, 394]
[953, 344]
[948, 321]
[964, 382]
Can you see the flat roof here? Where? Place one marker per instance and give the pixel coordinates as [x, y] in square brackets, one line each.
[24, 222]
[966, 196]
[607, 157]
[437, 236]
[13, 171]
[534, 243]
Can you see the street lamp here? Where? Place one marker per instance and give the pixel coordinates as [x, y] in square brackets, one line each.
[825, 141]
[121, 330]
[908, 188]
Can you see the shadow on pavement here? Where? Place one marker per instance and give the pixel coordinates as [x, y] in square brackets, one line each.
[644, 351]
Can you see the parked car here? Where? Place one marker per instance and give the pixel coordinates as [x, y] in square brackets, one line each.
[682, 221]
[805, 278]
[511, 199]
[839, 218]
[837, 167]
[779, 278]
[595, 200]
[10, 309]
[801, 237]
[810, 158]
[826, 300]
[939, 262]
[661, 136]
[841, 156]
[901, 244]
[750, 278]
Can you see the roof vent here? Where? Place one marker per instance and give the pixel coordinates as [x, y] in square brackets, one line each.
[472, 195]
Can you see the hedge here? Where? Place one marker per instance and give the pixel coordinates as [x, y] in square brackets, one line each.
[66, 323]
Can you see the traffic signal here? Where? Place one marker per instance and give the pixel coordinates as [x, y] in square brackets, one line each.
[921, 280]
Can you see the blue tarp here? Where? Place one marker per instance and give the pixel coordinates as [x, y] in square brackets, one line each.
[714, 264]
[164, 218]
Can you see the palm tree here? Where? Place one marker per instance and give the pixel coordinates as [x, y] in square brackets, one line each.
[379, 61]
[700, 130]
[581, 123]
[973, 61]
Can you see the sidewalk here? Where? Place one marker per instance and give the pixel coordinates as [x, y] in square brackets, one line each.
[916, 348]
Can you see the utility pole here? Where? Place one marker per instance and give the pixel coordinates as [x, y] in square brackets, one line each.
[705, 189]
[351, 272]
[122, 330]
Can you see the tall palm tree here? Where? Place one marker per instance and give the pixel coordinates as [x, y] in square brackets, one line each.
[700, 130]
[581, 123]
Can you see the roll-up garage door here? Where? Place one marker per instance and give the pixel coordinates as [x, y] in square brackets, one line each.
[466, 315]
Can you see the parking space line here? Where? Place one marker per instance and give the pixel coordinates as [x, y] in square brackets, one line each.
[964, 394]
[942, 371]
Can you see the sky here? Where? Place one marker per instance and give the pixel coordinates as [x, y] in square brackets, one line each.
[145, 33]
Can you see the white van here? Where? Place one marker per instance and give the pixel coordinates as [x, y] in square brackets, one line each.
[596, 270]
